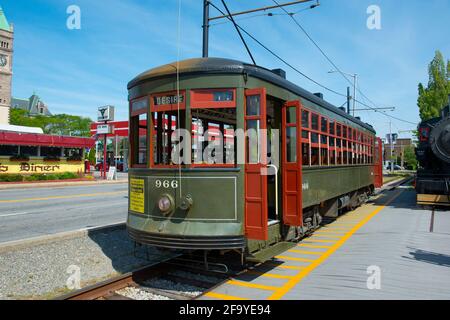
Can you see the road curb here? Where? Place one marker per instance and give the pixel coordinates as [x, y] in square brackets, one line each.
[67, 235]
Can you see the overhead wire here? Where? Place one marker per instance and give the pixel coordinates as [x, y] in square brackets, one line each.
[336, 67]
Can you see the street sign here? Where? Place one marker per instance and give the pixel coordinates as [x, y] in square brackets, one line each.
[392, 138]
[104, 129]
[105, 113]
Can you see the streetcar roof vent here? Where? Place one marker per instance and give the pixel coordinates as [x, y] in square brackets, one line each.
[342, 109]
[280, 72]
[359, 118]
[320, 95]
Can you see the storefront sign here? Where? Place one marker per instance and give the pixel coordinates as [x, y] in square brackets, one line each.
[39, 166]
[104, 129]
[106, 113]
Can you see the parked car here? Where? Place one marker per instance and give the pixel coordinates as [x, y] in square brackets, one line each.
[99, 166]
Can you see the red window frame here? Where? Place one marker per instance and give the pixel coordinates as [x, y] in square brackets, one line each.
[163, 108]
[197, 101]
[136, 113]
[202, 99]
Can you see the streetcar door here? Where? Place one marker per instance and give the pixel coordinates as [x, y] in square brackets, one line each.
[378, 163]
[292, 164]
[256, 214]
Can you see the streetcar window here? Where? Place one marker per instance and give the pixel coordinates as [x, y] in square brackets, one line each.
[291, 115]
[323, 139]
[324, 125]
[291, 144]
[344, 132]
[213, 141]
[305, 134]
[253, 105]
[339, 130]
[314, 137]
[165, 139]
[314, 156]
[332, 157]
[339, 157]
[305, 154]
[138, 134]
[139, 131]
[331, 141]
[305, 119]
[332, 127]
[344, 158]
[315, 122]
[324, 157]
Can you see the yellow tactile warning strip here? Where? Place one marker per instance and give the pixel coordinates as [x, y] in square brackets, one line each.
[312, 252]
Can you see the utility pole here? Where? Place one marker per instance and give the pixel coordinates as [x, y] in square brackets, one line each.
[355, 80]
[348, 100]
[391, 140]
[205, 28]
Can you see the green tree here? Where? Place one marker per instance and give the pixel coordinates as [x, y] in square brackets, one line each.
[60, 124]
[409, 156]
[435, 96]
[91, 156]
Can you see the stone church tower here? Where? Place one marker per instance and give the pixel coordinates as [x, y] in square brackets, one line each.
[6, 56]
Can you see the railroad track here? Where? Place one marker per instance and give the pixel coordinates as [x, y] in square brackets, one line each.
[180, 278]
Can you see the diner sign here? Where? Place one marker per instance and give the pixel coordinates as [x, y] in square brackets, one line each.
[12, 167]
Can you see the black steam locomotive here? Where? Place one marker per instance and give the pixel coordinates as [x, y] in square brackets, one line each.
[433, 154]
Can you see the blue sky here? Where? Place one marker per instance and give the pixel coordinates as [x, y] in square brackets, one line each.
[75, 71]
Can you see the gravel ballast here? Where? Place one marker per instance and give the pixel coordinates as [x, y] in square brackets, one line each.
[42, 271]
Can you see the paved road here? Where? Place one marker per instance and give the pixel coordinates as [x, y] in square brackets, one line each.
[26, 213]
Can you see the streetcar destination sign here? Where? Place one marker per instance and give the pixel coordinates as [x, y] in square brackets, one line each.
[164, 100]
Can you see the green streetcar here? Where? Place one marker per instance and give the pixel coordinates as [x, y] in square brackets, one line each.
[328, 160]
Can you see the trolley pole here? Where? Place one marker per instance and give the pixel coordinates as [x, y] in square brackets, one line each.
[205, 28]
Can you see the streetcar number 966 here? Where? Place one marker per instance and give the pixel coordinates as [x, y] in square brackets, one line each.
[166, 184]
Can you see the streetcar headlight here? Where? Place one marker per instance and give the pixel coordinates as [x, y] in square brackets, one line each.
[164, 204]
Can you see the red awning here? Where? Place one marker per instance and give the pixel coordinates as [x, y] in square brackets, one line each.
[32, 139]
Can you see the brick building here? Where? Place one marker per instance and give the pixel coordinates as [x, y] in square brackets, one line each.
[397, 150]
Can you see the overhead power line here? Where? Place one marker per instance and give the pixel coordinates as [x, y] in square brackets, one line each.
[280, 58]
[337, 68]
[297, 70]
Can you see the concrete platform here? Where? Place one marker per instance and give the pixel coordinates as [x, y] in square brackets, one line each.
[381, 251]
